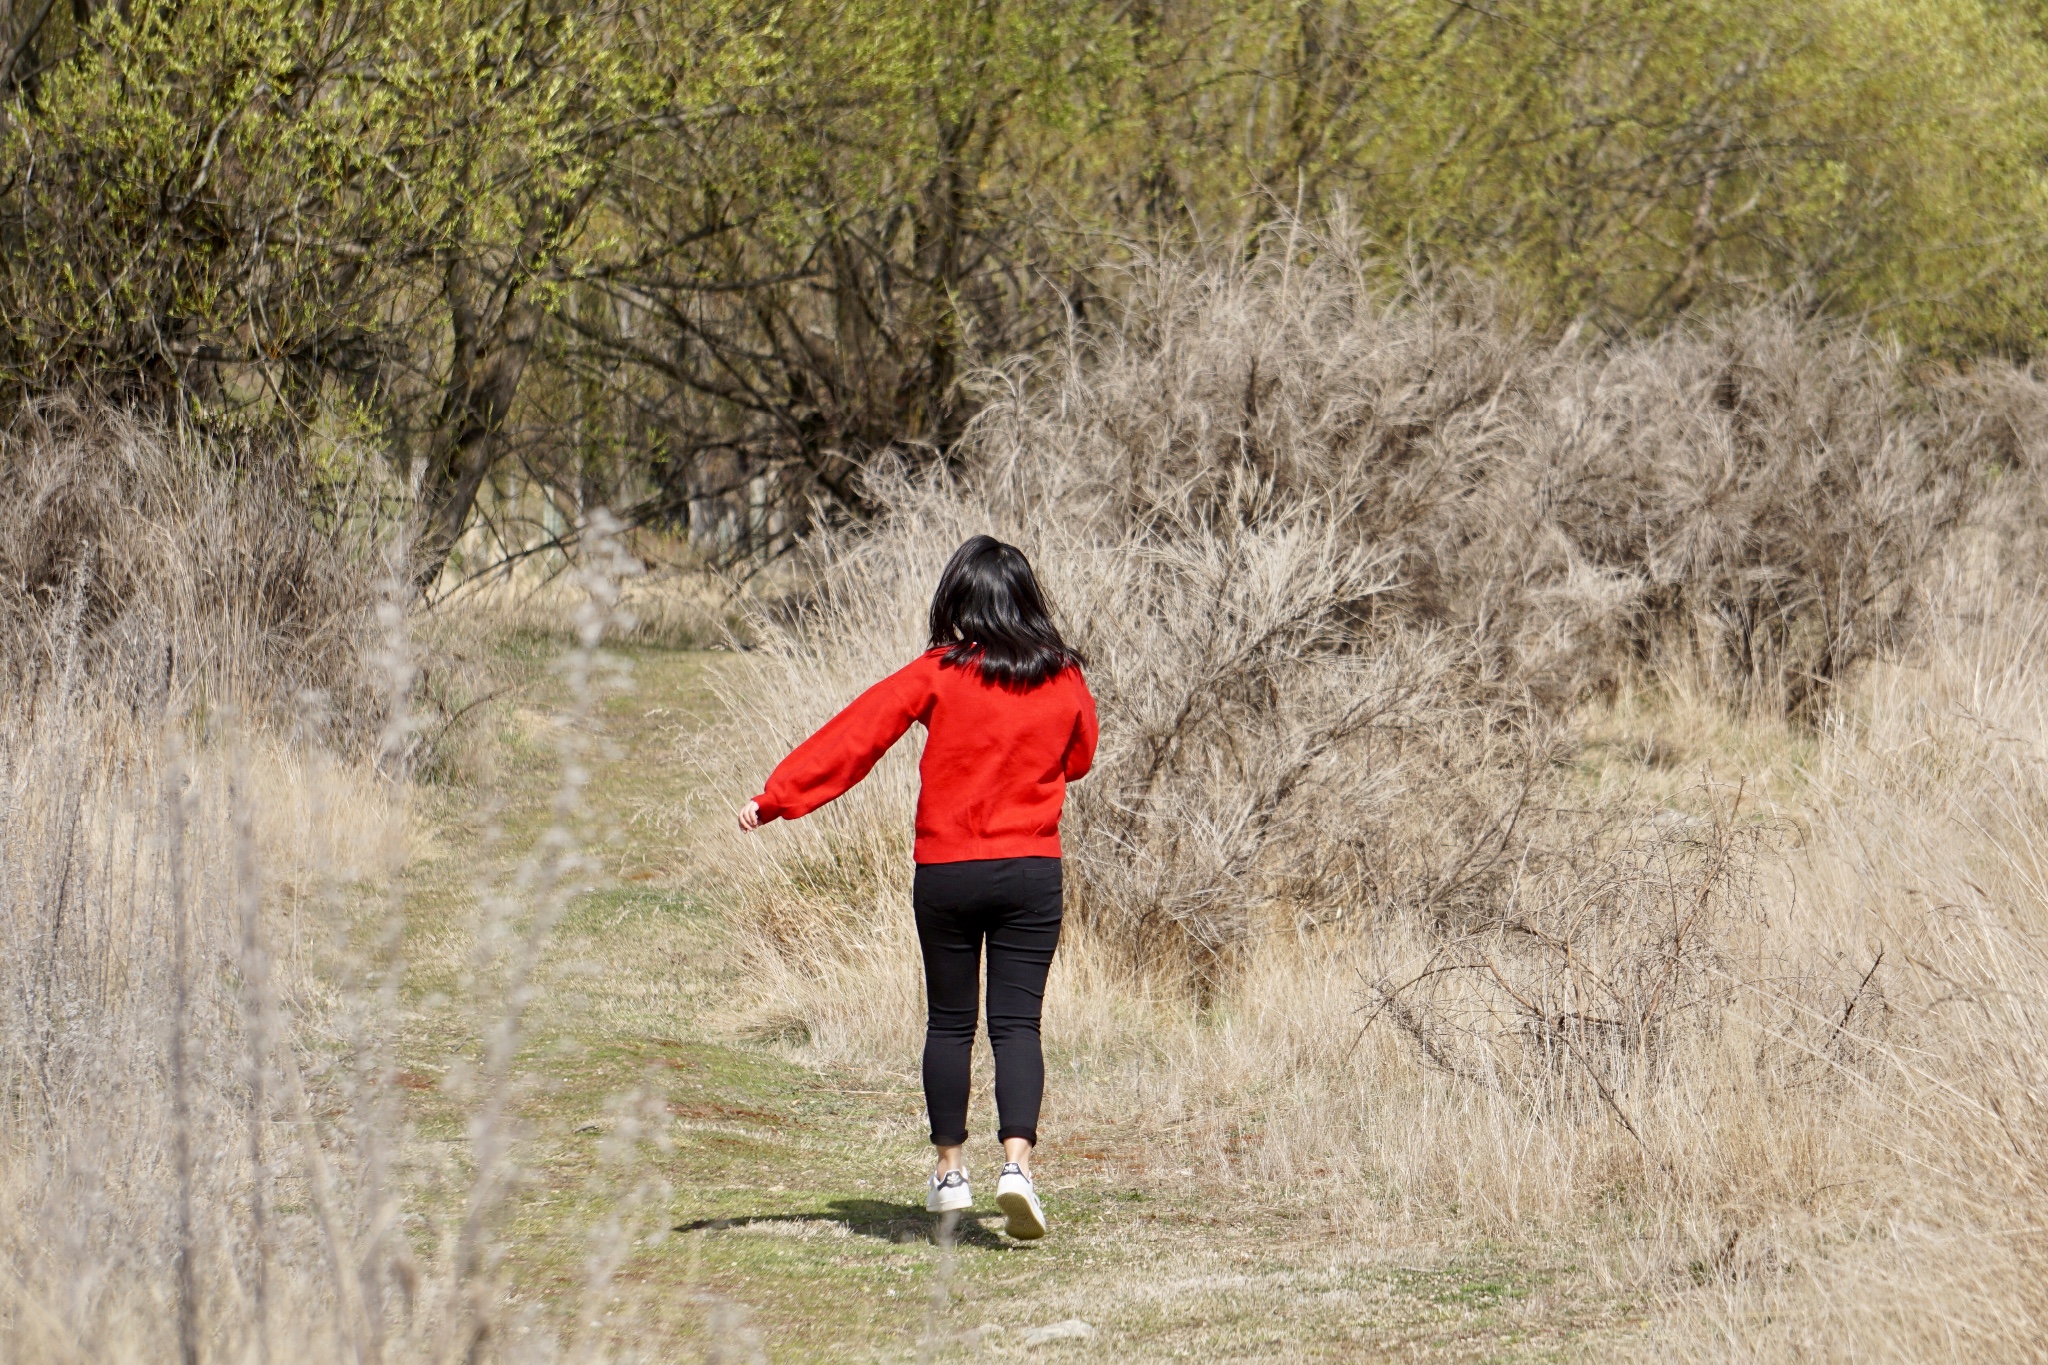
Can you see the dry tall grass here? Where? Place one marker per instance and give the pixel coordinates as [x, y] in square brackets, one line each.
[1928, 869]
[203, 1154]
[1357, 578]
[142, 1166]
[175, 575]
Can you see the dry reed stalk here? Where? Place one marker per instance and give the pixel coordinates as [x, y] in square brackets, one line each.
[939, 1304]
[258, 1021]
[540, 893]
[181, 1063]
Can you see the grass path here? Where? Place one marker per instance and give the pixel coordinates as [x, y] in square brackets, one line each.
[793, 1228]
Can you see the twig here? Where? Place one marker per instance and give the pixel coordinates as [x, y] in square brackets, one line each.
[1849, 1007]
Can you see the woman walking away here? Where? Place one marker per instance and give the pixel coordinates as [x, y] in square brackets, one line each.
[1008, 723]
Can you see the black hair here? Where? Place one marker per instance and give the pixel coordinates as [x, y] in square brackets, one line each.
[988, 612]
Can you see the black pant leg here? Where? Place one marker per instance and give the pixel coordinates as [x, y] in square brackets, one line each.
[949, 933]
[1022, 936]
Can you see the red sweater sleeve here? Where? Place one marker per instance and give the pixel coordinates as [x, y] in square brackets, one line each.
[843, 751]
[1081, 748]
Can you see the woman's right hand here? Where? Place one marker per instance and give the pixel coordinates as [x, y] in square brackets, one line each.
[750, 816]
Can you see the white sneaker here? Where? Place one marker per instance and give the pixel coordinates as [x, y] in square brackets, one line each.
[949, 1193]
[1016, 1197]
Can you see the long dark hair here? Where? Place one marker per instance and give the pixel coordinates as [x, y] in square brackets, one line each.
[989, 612]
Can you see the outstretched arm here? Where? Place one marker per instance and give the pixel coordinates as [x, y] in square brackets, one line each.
[848, 746]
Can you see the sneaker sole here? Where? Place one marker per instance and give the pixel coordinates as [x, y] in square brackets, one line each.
[1026, 1223]
[957, 1204]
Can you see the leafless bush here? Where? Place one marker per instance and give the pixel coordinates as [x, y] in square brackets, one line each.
[1257, 760]
[1749, 497]
[1342, 561]
[173, 575]
[2010, 405]
[1761, 497]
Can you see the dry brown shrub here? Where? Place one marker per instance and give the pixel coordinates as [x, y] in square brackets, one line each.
[1342, 562]
[1748, 497]
[173, 573]
[2010, 405]
[1257, 762]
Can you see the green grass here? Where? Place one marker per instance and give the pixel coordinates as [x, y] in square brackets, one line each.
[791, 1226]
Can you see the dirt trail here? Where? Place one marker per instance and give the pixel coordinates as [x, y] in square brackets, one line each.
[794, 1227]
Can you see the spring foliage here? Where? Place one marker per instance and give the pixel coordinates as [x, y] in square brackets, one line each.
[653, 254]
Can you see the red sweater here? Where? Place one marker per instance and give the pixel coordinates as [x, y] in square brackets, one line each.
[996, 763]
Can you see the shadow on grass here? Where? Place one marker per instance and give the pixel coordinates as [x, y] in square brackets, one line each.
[877, 1218]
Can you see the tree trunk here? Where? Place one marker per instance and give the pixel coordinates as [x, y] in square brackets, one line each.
[483, 378]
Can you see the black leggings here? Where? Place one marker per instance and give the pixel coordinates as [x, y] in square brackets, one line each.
[1014, 903]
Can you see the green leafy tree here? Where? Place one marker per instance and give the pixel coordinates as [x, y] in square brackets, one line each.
[248, 210]
[711, 259]
[1626, 160]
[805, 289]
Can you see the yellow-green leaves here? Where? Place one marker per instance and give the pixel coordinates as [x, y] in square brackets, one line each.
[782, 234]
[1624, 160]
